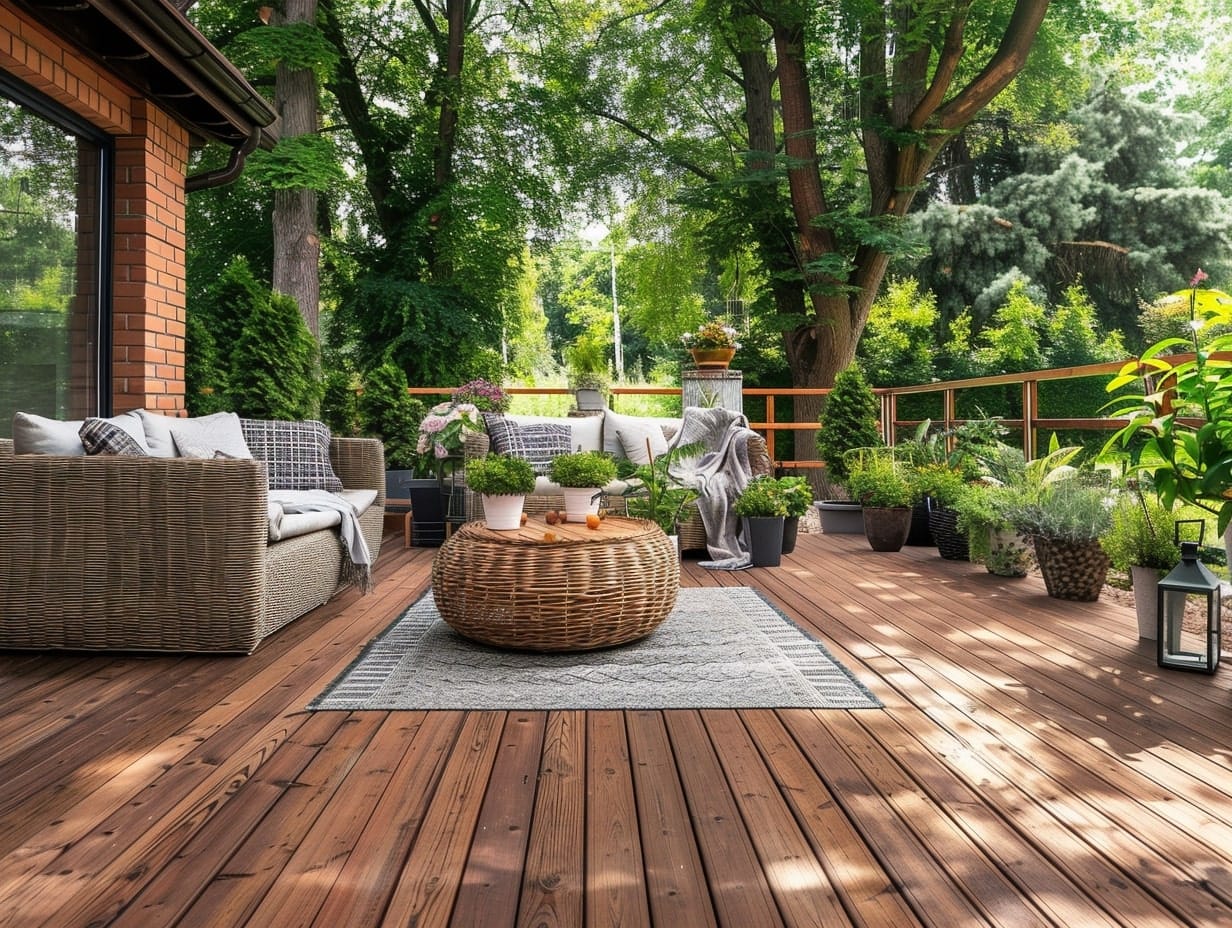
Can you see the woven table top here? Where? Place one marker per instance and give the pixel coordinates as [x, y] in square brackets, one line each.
[535, 532]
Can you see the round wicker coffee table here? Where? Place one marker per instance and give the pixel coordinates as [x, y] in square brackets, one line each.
[578, 589]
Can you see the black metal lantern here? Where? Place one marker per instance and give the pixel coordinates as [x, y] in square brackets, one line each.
[1179, 648]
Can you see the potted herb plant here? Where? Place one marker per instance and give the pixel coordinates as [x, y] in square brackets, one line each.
[991, 537]
[503, 481]
[1141, 543]
[941, 486]
[884, 487]
[1065, 520]
[762, 510]
[581, 475]
[798, 495]
[849, 420]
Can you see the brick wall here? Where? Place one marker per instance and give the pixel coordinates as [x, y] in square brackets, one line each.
[151, 158]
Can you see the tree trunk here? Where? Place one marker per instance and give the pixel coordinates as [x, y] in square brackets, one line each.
[297, 242]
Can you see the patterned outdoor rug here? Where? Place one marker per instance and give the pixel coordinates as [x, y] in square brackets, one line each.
[721, 648]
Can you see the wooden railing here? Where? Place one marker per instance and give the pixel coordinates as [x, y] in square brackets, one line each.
[1031, 422]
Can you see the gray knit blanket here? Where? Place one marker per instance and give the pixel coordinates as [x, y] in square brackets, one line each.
[357, 565]
[718, 474]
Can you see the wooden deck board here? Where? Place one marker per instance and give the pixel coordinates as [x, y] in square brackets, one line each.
[1032, 766]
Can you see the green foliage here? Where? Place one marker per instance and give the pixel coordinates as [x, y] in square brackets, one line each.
[1180, 427]
[205, 381]
[849, 419]
[274, 367]
[1142, 534]
[899, 341]
[1070, 509]
[582, 469]
[297, 46]
[653, 494]
[300, 161]
[500, 475]
[941, 483]
[878, 481]
[386, 411]
[797, 494]
[761, 497]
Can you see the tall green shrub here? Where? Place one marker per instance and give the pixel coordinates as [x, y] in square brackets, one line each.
[274, 368]
[389, 413]
[205, 380]
[849, 419]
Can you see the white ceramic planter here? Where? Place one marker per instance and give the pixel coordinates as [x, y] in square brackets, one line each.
[580, 502]
[503, 513]
[1146, 600]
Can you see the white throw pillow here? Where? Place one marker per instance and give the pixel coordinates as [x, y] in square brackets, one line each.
[207, 435]
[158, 437]
[641, 441]
[39, 435]
[626, 435]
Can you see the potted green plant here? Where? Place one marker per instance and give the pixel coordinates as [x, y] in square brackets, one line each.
[581, 475]
[798, 494]
[503, 481]
[1179, 431]
[1141, 543]
[849, 419]
[941, 485]
[653, 494]
[713, 345]
[981, 509]
[1065, 520]
[762, 510]
[883, 486]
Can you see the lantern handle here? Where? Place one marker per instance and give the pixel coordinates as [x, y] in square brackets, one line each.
[1176, 529]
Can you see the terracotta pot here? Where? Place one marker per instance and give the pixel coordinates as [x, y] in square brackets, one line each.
[712, 358]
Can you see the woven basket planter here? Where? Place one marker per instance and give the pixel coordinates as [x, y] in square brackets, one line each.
[951, 543]
[1072, 570]
[583, 589]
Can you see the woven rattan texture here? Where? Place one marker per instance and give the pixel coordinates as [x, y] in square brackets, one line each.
[159, 554]
[587, 589]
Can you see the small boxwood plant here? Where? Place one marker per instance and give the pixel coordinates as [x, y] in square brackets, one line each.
[500, 475]
[761, 496]
[582, 469]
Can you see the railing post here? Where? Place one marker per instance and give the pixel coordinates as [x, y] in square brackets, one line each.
[888, 432]
[1030, 397]
[771, 431]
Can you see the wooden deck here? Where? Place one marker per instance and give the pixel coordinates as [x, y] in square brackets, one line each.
[1032, 766]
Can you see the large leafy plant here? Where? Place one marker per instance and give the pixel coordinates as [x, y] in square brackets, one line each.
[653, 494]
[1180, 427]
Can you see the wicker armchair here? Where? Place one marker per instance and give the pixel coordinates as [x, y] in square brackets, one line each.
[161, 554]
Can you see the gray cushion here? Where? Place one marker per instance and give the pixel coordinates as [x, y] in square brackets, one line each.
[205, 435]
[296, 454]
[537, 443]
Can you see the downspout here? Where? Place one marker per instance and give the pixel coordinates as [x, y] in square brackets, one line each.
[235, 166]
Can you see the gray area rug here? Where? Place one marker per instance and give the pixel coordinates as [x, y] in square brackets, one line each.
[721, 648]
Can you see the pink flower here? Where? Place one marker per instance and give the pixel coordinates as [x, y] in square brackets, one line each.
[1198, 278]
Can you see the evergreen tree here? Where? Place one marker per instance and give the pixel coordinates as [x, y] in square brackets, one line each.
[849, 420]
[274, 367]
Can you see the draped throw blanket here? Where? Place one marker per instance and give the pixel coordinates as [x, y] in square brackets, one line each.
[357, 566]
[719, 475]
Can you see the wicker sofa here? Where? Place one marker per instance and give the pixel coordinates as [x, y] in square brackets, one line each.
[600, 433]
[112, 552]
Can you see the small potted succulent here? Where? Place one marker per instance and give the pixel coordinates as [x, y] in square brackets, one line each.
[503, 481]
[581, 475]
[762, 509]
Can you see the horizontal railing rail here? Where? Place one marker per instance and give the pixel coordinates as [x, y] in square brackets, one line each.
[1031, 422]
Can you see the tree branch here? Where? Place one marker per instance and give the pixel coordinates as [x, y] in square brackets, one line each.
[645, 136]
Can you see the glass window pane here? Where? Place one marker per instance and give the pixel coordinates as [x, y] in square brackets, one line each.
[49, 223]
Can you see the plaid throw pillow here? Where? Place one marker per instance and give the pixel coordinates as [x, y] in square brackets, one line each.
[296, 454]
[537, 443]
[99, 436]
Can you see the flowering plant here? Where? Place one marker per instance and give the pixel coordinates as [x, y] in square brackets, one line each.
[712, 334]
[484, 396]
[445, 428]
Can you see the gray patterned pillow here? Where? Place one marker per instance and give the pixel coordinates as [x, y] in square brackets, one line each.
[98, 436]
[537, 443]
[296, 454]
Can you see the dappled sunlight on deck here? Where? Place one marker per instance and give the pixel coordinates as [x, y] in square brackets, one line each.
[1031, 766]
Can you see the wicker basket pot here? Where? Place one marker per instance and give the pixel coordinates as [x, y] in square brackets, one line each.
[951, 543]
[1073, 570]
